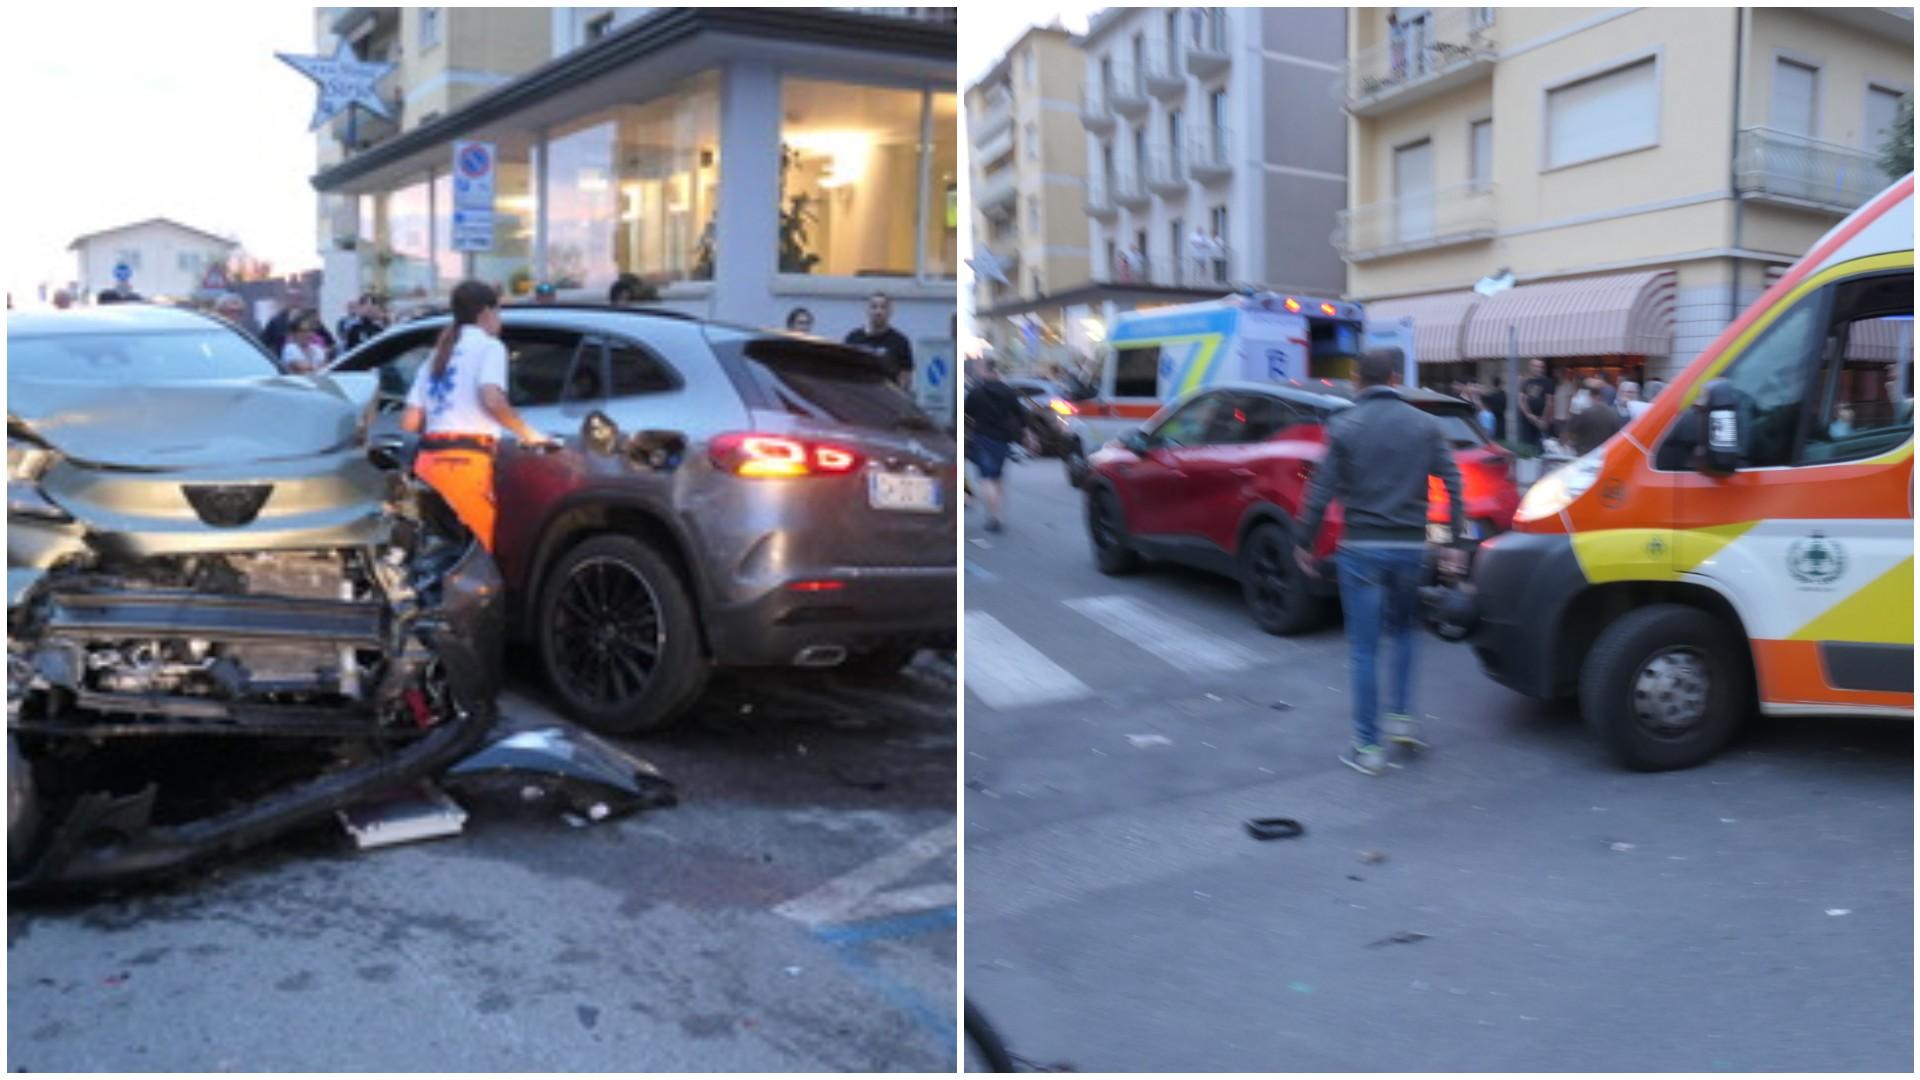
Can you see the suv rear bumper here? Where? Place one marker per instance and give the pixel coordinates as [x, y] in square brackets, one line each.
[868, 608]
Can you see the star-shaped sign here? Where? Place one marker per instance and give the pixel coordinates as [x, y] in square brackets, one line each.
[987, 265]
[344, 81]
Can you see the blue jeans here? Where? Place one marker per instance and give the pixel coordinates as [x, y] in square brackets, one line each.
[1379, 590]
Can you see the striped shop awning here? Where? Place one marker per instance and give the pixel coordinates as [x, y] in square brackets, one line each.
[1617, 315]
[1439, 322]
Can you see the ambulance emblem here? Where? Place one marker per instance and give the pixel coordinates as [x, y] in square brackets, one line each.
[1816, 560]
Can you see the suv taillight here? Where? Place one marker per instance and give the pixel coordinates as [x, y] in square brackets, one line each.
[747, 454]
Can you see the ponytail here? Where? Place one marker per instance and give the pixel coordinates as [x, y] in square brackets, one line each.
[470, 300]
[443, 349]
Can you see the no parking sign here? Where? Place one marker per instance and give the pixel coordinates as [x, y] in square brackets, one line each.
[473, 172]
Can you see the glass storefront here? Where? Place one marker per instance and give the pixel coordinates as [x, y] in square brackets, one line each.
[509, 266]
[407, 250]
[449, 265]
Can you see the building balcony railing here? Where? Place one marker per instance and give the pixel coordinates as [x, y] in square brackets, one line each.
[1128, 94]
[1780, 167]
[1095, 113]
[1006, 249]
[1210, 155]
[1164, 80]
[996, 118]
[1100, 204]
[1185, 272]
[1448, 48]
[1462, 214]
[1167, 175]
[995, 148]
[1130, 190]
[1208, 52]
[999, 194]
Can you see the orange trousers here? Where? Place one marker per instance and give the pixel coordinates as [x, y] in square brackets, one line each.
[465, 479]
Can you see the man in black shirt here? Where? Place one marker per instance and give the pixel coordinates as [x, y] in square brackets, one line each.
[878, 335]
[1536, 403]
[1496, 402]
[995, 421]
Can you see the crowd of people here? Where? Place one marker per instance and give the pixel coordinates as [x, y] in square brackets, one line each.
[1575, 412]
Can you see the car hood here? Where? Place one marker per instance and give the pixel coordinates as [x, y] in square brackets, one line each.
[185, 425]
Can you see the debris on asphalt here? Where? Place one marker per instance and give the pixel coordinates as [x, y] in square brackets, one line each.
[118, 979]
[1372, 857]
[1839, 911]
[794, 972]
[421, 812]
[1621, 847]
[591, 778]
[1280, 706]
[1215, 697]
[1355, 877]
[1143, 741]
[1276, 828]
[1404, 937]
[1728, 820]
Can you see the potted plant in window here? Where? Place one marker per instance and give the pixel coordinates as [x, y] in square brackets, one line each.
[795, 215]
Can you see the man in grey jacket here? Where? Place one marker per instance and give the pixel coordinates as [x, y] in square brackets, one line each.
[1379, 455]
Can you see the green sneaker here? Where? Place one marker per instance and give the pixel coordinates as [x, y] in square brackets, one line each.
[1366, 759]
[1402, 730]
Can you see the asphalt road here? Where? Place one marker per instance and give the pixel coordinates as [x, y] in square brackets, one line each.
[795, 912]
[1510, 901]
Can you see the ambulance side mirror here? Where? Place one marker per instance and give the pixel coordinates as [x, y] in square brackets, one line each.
[1721, 438]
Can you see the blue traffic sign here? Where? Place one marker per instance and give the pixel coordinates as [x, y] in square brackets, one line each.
[936, 371]
[122, 272]
[475, 161]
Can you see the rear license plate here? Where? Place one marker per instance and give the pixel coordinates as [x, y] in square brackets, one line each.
[903, 491]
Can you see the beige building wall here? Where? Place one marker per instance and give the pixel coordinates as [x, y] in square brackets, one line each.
[1670, 205]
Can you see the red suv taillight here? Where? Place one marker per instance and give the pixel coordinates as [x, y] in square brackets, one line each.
[748, 454]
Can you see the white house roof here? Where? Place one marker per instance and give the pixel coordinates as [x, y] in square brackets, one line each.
[221, 240]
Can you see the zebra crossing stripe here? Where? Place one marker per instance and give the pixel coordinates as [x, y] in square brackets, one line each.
[1181, 644]
[1005, 672]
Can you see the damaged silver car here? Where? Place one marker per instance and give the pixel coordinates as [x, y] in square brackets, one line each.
[226, 619]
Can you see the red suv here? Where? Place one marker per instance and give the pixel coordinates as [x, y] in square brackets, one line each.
[1217, 480]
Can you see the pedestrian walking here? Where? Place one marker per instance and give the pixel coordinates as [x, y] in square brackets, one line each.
[1591, 420]
[1536, 401]
[878, 335]
[1629, 405]
[458, 405]
[800, 321]
[1379, 455]
[305, 352]
[995, 421]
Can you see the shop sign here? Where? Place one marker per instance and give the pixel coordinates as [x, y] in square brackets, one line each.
[473, 175]
[344, 81]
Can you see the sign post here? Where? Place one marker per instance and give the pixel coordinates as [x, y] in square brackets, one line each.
[1494, 286]
[473, 183]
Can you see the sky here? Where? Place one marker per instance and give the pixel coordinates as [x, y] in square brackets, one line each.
[116, 113]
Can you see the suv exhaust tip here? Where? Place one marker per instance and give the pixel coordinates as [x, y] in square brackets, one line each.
[820, 656]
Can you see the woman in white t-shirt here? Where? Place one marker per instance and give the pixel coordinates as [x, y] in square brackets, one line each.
[459, 406]
[304, 352]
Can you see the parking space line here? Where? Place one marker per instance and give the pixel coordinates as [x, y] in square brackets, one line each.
[1179, 643]
[1005, 672]
[858, 891]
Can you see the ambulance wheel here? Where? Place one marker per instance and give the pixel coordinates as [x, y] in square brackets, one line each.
[1274, 585]
[1108, 531]
[1665, 687]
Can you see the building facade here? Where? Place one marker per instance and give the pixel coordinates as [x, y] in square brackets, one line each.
[741, 162]
[168, 259]
[1028, 183]
[1643, 173]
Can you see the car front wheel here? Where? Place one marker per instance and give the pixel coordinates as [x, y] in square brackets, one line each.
[1111, 552]
[618, 637]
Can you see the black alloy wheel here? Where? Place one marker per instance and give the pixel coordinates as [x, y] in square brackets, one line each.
[1273, 584]
[618, 639]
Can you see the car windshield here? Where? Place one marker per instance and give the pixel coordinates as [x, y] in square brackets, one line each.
[162, 356]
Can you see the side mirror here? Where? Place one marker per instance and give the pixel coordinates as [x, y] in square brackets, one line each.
[1722, 440]
[1137, 442]
[392, 453]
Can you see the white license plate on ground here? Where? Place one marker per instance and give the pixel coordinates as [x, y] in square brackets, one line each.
[903, 491]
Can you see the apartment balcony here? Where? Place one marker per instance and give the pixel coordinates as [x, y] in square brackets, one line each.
[1100, 204]
[999, 194]
[1792, 170]
[993, 120]
[1450, 48]
[1210, 156]
[1209, 53]
[1167, 176]
[1164, 80]
[1445, 217]
[1130, 190]
[992, 151]
[1095, 113]
[1185, 272]
[1128, 95]
[1006, 250]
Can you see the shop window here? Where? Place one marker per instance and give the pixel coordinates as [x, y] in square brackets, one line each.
[509, 264]
[851, 162]
[449, 266]
[408, 250]
[633, 191]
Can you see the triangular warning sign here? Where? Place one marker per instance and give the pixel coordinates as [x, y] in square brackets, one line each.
[216, 277]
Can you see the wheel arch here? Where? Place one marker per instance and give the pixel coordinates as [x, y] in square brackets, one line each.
[1260, 513]
[582, 519]
[1595, 608]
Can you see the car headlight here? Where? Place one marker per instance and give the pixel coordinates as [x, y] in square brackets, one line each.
[1558, 489]
[26, 463]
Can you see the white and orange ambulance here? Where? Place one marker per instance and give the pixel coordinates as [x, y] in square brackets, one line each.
[1747, 543]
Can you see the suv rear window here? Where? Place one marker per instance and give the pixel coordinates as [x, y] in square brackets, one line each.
[1457, 425]
[827, 382]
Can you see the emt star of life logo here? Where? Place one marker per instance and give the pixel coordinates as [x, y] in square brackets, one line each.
[1816, 560]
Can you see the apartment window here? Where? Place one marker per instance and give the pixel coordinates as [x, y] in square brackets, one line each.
[1139, 57]
[1106, 168]
[599, 26]
[430, 27]
[1217, 221]
[1177, 243]
[189, 262]
[1481, 134]
[1032, 69]
[1033, 141]
[1602, 115]
[1173, 41]
[1140, 154]
[1795, 98]
[1173, 136]
[1113, 259]
[1883, 109]
[1413, 191]
[1106, 78]
[633, 190]
[852, 158]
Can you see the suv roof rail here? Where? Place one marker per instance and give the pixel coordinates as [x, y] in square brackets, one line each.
[591, 305]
